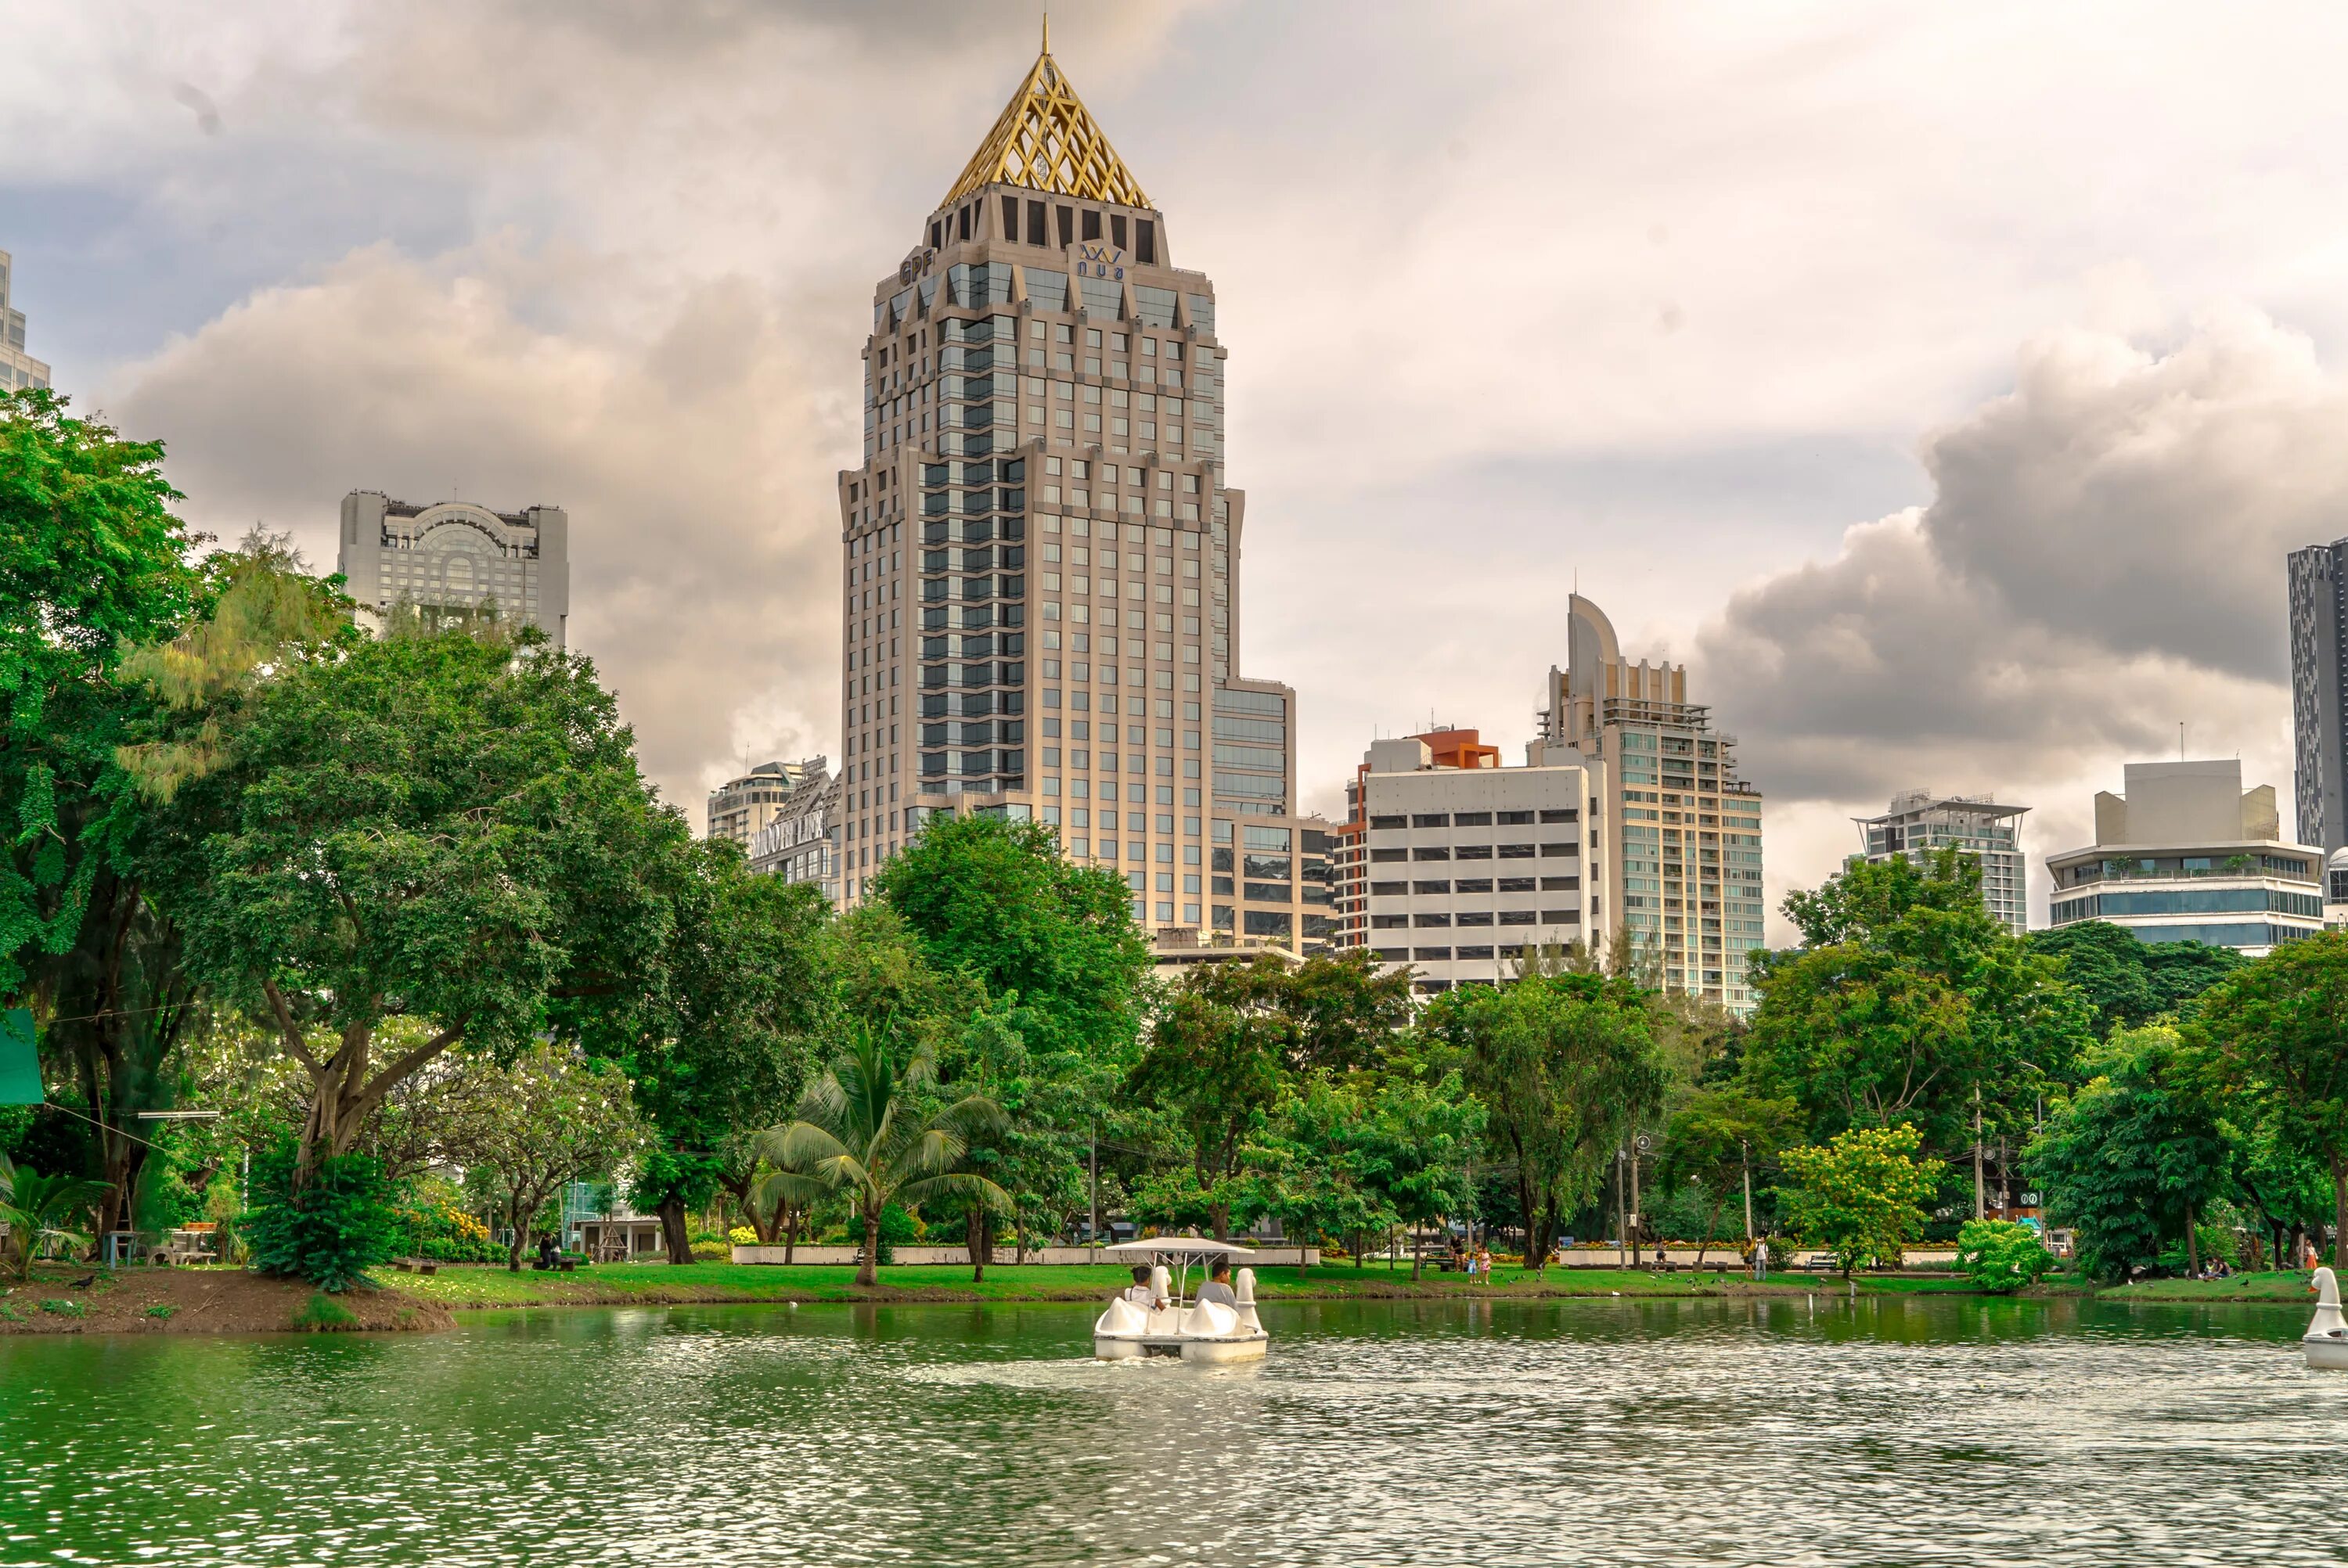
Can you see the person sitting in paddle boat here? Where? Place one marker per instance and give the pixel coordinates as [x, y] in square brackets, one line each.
[1139, 1293]
[1218, 1288]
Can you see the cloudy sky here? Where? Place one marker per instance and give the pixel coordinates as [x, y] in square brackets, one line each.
[1943, 383]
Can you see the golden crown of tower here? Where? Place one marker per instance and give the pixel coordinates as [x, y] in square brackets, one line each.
[1047, 141]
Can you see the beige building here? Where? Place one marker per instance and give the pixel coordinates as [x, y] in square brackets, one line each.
[454, 558]
[2186, 853]
[1678, 850]
[1041, 555]
[739, 809]
[800, 841]
[1921, 822]
[18, 370]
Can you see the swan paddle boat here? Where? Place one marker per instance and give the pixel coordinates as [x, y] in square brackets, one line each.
[2326, 1339]
[1201, 1331]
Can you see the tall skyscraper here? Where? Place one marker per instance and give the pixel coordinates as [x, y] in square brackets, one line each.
[1041, 557]
[452, 556]
[2319, 693]
[18, 369]
[1921, 822]
[1681, 832]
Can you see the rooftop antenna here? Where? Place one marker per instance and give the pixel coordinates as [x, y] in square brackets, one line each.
[2180, 740]
[1047, 32]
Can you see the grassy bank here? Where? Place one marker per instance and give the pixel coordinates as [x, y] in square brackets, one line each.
[2283, 1285]
[724, 1282]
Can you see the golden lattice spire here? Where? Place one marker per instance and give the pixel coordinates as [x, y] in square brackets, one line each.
[1047, 141]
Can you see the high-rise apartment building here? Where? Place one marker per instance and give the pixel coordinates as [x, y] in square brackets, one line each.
[1453, 865]
[800, 840]
[1679, 861]
[2186, 853]
[1921, 822]
[18, 369]
[455, 558]
[739, 807]
[2319, 693]
[1041, 556]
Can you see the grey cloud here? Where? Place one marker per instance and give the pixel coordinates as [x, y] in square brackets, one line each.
[2101, 558]
[694, 467]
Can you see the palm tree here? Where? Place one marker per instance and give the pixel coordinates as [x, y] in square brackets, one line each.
[34, 1208]
[860, 1131]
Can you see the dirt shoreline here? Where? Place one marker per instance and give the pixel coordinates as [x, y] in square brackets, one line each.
[198, 1301]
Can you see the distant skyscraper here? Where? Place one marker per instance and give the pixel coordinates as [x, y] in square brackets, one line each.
[1041, 558]
[1921, 822]
[739, 807]
[1679, 832]
[17, 369]
[2319, 693]
[453, 556]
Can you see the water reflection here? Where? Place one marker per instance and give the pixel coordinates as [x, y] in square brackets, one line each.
[1778, 1430]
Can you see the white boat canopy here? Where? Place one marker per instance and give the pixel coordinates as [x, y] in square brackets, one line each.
[1178, 1246]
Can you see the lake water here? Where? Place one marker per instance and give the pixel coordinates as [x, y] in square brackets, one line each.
[1787, 1431]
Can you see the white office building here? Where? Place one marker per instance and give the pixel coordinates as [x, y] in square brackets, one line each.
[456, 558]
[2186, 853]
[1465, 866]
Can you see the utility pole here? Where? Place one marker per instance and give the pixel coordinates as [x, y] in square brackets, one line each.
[1745, 1158]
[1978, 1211]
[1638, 1147]
[1622, 1212]
[1095, 1236]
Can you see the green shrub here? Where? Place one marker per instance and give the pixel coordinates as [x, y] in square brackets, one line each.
[322, 1313]
[160, 1309]
[2001, 1256]
[712, 1251]
[9, 1314]
[332, 1231]
[64, 1308]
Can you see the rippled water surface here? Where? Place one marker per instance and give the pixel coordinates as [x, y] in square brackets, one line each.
[1494, 1433]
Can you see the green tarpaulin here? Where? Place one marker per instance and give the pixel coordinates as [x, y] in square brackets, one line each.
[20, 1060]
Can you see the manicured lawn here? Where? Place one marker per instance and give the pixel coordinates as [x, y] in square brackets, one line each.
[2283, 1285]
[720, 1282]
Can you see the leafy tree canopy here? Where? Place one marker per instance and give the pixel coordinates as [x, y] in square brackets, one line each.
[2128, 982]
[1906, 1003]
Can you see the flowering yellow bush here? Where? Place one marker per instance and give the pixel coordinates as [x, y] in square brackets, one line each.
[742, 1235]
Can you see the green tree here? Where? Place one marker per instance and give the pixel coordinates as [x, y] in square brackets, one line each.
[1860, 1195]
[1345, 1009]
[2128, 1159]
[1714, 1138]
[2002, 1257]
[1415, 1142]
[995, 899]
[1214, 1066]
[1566, 1066]
[862, 1130]
[731, 1051]
[91, 562]
[546, 1119]
[1908, 1004]
[440, 827]
[2128, 982]
[2276, 1035]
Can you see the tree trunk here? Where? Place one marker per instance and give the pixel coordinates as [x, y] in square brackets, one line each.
[1711, 1222]
[2192, 1247]
[674, 1232]
[1218, 1216]
[2339, 1213]
[790, 1233]
[974, 1236]
[516, 1219]
[867, 1272]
